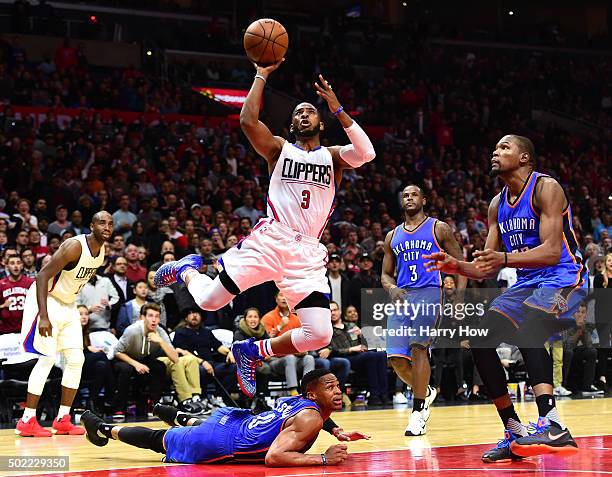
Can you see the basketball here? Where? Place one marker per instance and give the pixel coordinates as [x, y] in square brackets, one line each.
[265, 41]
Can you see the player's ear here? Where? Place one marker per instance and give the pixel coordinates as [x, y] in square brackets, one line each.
[291, 128]
[321, 126]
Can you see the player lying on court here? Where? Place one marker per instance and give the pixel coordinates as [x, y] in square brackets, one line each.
[279, 437]
[532, 219]
[285, 246]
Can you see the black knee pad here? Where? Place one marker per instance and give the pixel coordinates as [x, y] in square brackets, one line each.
[228, 283]
[499, 328]
[314, 300]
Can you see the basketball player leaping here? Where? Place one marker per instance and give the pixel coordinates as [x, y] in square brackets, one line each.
[285, 246]
[404, 248]
[532, 219]
[51, 323]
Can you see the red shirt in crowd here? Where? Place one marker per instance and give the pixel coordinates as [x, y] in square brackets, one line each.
[12, 297]
[135, 272]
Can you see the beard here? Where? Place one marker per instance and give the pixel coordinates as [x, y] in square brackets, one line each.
[494, 172]
[308, 132]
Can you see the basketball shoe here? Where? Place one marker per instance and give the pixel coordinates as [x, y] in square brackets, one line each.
[432, 394]
[501, 452]
[170, 273]
[247, 357]
[64, 426]
[548, 438]
[417, 425]
[31, 428]
[92, 423]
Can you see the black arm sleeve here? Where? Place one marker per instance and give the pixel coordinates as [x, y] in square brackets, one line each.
[329, 425]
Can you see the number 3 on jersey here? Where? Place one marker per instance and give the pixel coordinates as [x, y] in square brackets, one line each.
[305, 199]
[413, 273]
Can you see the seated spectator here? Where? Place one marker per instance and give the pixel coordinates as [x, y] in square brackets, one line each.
[97, 368]
[61, 222]
[250, 326]
[135, 270]
[338, 365]
[579, 351]
[99, 296]
[136, 356]
[348, 342]
[29, 263]
[280, 319]
[130, 311]
[13, 290]
[200, 343]
[159, 296]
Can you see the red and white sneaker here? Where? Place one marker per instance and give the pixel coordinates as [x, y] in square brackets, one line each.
[65, 426]
[31, 429]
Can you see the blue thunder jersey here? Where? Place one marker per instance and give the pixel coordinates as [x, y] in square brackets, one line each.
[233, 434]
[409, 248]
[519, 226]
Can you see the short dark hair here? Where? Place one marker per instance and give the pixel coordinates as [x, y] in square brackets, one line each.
[256, 310]
[311, 379]
[167, 252]
[525, 145]
[140, 281]
[149, 306]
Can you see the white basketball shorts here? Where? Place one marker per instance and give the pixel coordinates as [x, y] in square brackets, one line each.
[65, 320]
[275, 252]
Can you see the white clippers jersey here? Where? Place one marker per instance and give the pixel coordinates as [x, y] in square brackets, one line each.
[302, 189]
[66, 284]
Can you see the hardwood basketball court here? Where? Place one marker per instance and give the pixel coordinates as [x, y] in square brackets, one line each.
[456, 438]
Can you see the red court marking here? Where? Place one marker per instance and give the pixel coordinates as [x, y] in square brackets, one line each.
[453, 461]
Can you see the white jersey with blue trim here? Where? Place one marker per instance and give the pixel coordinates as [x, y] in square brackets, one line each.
[302, 189]
[66, 285]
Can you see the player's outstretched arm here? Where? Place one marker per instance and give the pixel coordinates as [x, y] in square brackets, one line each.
[361, 149]
[68, 253]
[258, 134]
[285, 450]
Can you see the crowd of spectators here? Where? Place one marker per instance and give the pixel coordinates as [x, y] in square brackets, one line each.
[176, 188]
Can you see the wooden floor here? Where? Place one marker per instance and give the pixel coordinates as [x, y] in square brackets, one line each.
[449, 426]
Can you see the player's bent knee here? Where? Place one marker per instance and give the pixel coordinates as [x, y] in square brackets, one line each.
[397, 362]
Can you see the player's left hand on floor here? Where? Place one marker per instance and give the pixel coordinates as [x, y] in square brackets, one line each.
[348, 436]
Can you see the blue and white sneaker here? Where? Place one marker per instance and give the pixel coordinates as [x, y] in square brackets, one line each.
[501, 452]
[247, 358]
[170, 273]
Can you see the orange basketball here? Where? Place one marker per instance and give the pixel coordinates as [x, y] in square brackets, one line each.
[265, 41]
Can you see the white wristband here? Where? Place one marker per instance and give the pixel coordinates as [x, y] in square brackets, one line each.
[261, 78]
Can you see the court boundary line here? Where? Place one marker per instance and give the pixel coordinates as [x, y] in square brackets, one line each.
[164, 464]
[466, 469]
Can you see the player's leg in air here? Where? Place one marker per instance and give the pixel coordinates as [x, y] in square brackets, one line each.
[298, 269]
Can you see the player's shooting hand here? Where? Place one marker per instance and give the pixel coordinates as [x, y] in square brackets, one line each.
[266, 70]
[348, 436]
[336, 454]
[443, 262]
[488, 261]
[44, 326]
[325, 91]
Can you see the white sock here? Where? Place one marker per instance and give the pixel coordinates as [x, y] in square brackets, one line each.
[553, 415]
[63, 410]
[265, 348]
[188, 272]
[517, 428]
[28, 413]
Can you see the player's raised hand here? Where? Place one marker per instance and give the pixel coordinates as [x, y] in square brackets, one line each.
[348, 436]
[488, 261]
[44, 326]
[336, 454]
[443, 262]
[266, 70]
[325, 91]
